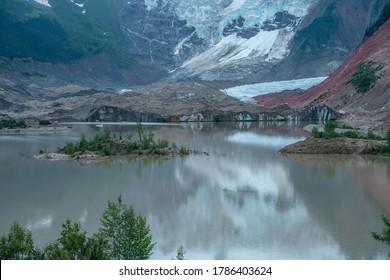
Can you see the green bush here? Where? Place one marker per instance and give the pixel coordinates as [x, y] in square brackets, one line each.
[183, 150]
[315, 133]
[12, 124]
[349, 134]
[69, 148]
[364, 77]
[44, 122]
[329, 127]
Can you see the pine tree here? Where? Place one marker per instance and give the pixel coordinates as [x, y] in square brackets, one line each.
[385, 235]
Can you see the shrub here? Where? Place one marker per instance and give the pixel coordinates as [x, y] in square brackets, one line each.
[183, 150]
[69, 148]
[350, 134]
[315, 133]
[371, 135]
[329, 126]
[11, 124]
[364, 77]
[44, 122]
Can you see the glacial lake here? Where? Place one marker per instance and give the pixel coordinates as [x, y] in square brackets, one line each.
[242, 201]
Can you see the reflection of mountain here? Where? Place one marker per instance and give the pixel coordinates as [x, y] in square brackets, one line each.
[330, 197]
[242, 201]
[242, 206]
[375, 181]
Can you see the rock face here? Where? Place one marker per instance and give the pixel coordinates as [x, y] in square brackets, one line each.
[340, 93]
[117, 114]
[167, 101]
[246, 41]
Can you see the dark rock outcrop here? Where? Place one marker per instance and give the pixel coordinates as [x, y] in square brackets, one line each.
[116, 114]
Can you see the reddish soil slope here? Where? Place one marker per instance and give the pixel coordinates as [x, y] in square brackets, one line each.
[338, 93]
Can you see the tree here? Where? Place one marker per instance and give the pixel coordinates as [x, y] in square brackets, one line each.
[73, 244]
[127, 234]
[385, 235]
[17, 245]
[139, 129]
[180, 253]
[329, 127]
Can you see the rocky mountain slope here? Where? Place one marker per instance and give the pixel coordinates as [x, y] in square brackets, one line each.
[68, 59]
[134, 42]
[167, 101]
[245, 40]
[359, 89]
[58, 42]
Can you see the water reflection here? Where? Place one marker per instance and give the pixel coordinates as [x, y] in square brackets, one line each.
[251, 138]
[244, 201]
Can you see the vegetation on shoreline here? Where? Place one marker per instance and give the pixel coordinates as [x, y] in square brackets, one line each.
[329, 132]
[109, 144]
[12, 124]
[346, 142]
[123, 235]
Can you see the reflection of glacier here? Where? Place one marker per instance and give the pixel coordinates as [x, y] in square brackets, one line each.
[44, 222]
[241, 210]
[250, 138]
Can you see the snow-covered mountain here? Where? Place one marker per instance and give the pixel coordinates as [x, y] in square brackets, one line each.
[237, 40]
[202, 38]
[140, 41]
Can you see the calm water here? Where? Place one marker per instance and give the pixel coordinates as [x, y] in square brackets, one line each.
[243, 201]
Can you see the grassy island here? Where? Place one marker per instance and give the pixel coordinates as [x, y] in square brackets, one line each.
[107, 144]
[346, 142]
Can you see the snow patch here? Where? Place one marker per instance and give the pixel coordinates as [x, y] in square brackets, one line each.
[247, 92]
[266, 46]
[43, 2]
[150, 4]
[77, 4]
[235, 5]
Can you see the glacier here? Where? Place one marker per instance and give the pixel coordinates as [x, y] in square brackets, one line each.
[209, 17]
[234, 32]
[247, 92]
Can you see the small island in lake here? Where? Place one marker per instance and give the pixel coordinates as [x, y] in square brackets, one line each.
[347, 141]
[106, 145]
